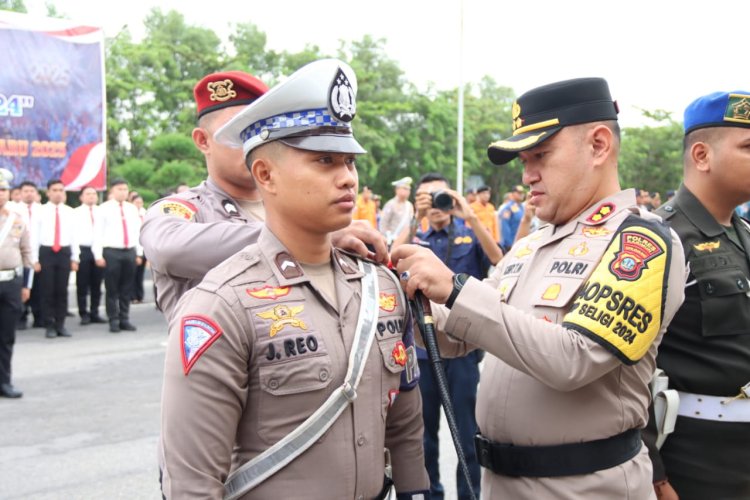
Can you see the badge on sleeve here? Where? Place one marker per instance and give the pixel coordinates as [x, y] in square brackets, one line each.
[176, 207]
[198, 333]
[622, 304]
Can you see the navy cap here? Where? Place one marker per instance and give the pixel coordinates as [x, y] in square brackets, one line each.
[718, 109]
[542, 112]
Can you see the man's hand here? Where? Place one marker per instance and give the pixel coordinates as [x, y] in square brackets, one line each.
[25, 294]
[664, 491]
[138, 261]
[73, 265]
[422, 203]
[37, 267]
[100, 263]
[358, 234]
[425, 272]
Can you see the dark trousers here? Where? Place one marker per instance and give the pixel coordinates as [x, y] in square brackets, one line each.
[88, 281]
[10, 308]
[54, 285]
[140, 270]
[463, 376]
[118, 282]
[34, 304]
[708, 460]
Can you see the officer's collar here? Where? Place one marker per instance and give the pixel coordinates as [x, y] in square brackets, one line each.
[288, 270]
[696, 212]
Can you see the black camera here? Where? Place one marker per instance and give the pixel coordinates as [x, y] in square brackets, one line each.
[442, 201]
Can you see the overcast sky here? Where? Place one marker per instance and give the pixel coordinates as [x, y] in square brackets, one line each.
[655, 54]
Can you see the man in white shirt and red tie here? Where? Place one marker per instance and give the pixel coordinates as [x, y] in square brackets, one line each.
[54, 254]
[89, 276]
[117, 250]
[28, 207]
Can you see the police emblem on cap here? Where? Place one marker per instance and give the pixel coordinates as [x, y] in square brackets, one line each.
[341, 98]
[221, 91]
[738, 108]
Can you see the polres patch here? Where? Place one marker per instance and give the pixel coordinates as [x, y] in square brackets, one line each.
[622, 305]
[198, 333]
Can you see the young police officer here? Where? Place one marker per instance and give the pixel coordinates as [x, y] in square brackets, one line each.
[706, 351]
[291, 364]
[572, 317]
[180, 233]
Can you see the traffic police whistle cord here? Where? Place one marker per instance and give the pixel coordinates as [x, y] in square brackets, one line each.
[423, 313]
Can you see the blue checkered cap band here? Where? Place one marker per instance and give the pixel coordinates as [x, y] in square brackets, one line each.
[311, 118]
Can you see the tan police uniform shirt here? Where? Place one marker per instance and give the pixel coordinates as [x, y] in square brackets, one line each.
[15, 250]
[546, 384]
[254, 350]
[187, 234]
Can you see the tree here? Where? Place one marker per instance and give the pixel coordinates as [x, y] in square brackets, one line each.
[651, 156]
[13, 6]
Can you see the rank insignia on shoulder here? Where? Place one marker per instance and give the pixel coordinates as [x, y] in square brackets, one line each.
[287, 266]
[707, 246]
[399, 353]
[230, 208]
[281, 316]
[198, 333]
[387, 301]
[178, 208]
[602, 212]
[269, 292]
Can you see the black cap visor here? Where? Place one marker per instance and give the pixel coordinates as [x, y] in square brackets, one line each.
[504, 150]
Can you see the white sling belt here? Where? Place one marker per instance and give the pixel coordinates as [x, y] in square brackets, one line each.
[308, 432]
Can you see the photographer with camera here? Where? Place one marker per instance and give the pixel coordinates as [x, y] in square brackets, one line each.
[463, 250]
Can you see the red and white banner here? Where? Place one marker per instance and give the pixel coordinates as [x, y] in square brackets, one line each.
[52, 101]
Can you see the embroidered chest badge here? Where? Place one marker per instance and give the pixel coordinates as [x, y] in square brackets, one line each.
[282, 316]
[707, 246]
[387, 301]
[399, 353]
[269, 292]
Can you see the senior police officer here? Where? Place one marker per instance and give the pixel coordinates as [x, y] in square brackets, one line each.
[181, 233]
[572, 317]
[15, 270]
[706, 352]
[296, 355]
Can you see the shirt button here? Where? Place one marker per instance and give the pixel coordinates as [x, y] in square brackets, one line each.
[741, 284]
[273, 383]
[669, 208]
[361, 440]
[709, 288]
[361, 497]
[323, 375]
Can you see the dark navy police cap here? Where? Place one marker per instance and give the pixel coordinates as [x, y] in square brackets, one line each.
[542, 112]
[718, 109]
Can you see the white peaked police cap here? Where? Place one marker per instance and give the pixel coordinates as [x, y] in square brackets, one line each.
[6, 177]
[311, 110]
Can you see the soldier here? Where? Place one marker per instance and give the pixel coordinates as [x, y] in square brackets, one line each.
[181, 232]
[15, 270]
[706, 351]
[572, 317]
[265, 355]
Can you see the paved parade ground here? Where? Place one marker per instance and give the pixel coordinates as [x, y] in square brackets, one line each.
[87, 425]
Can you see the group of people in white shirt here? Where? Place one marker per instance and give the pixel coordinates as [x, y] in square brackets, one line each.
[98, 242]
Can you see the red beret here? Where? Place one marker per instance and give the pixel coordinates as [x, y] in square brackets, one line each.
[228, 88]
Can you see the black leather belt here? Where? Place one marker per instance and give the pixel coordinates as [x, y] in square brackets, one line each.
[560, 460]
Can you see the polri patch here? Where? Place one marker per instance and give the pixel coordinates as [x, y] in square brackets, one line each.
[399, 353]
[198, 333]
[622, 305]
[178, 208]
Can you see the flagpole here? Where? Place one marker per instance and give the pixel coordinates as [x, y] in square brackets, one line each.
[460, 124]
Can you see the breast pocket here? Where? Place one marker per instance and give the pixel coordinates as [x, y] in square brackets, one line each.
[725, 304]
[393, 356]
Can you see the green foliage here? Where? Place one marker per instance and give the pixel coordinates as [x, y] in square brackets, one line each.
[651, 156]
[13, 6]
[151, 112]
